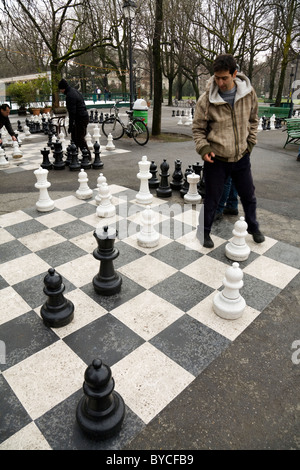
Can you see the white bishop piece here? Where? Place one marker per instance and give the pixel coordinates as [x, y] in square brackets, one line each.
[44, 204]
[148, 237]
[229, 304]
[237, 249]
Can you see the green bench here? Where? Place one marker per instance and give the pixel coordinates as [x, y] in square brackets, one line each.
[293, 131]
[268, 111]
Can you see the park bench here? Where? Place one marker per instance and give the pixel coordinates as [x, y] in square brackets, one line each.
[268, 111]
[293, 131]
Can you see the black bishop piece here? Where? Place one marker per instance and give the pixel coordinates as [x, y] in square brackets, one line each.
[100, 412]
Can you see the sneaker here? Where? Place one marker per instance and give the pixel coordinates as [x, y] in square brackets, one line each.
[208, 243]
[230, 211]
[258, 237]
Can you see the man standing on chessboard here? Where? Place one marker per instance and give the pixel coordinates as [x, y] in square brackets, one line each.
[78, 115]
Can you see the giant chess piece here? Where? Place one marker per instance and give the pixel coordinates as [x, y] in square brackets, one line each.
[101, 179]
[100, 412]
[56, 311]
[97, 163]
[45, 203]
[148, 237]
[58, 163]
[85, 162]
[83, 192]
[105, 208]
[3, 162]
[74, 163]
[164, 189]
[237, 249]
[192, 196]
[46, 164]
[144, 196]
[107, 281]
[17, 152]
[177, 177]
[185, 187]
[229, 304]
[153, 181]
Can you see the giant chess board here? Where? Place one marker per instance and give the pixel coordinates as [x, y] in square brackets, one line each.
[157, 334]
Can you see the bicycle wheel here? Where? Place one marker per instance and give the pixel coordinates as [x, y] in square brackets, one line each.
[140, 132]
[113, 127]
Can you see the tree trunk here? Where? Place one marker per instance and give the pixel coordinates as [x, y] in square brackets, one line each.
[156, 120]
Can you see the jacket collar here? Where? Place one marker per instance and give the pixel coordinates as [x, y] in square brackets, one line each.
[243, 88]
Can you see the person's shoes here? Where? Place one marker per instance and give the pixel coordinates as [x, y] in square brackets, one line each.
[258, 237]
[208, 243]
[230, 211]
[218, 216]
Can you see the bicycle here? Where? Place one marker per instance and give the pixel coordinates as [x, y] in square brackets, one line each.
[135, 128]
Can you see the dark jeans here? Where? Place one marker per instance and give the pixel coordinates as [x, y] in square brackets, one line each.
[78, 134]
[215, 176]
[229, 198]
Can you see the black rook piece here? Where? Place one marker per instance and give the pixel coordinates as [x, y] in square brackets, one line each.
[57, 311]
[107, 281]
[100, 412]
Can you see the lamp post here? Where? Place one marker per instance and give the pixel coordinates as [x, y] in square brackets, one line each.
[294, 82]
[129, 8]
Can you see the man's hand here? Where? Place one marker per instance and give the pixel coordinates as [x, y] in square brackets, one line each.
[208, 157]
[14, 138]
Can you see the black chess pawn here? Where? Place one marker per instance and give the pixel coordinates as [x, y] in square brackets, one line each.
[173, 113]
[68, 155]
[101, 118]
[107, 281]
[56, 311]
[19, 128]
[46, 162]
[164, 189]
[91, 116]
[97, 163]
[100, 412]
[96, 117]
[185, 186]
[74, 163]
[86, 157]
[177, 176]
[59, 163]
[153, 181]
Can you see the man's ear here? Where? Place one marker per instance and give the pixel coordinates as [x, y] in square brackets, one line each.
[234, 74]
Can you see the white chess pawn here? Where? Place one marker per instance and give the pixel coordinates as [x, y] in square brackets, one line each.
[260, 127]
[3, 162]
[144, 196]
[27, 133]
[83, 192]
[105, 208]
[148, 237]
[180, 123]
[237, 249]
[110, 145]
[62, 140]
[229, 304]
[17, 152]
[44, 204]
[96, 134]
[88, 139]
[192, 196]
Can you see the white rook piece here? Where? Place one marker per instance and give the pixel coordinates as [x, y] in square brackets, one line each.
[192, 196]
[83, 192]
[237, 249]
[229, 304]
[44, 204]
[144, 196]
[148, 237]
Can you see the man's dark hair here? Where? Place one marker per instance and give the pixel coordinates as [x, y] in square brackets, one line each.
[4, 106]
[225, 62]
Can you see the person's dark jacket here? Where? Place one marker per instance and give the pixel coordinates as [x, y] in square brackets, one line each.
[76, 106]
[4, 121]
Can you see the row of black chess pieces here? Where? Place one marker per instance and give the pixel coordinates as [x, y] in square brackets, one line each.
[100, 412]
[38, 126]
[72, 157]
[178, 181]
[96, 118]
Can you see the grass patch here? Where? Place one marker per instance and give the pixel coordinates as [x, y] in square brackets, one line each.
[170, 137]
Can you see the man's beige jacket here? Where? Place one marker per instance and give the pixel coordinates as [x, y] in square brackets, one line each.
[219, 128]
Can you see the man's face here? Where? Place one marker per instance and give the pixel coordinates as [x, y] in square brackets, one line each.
[225, 80]
[5, 112]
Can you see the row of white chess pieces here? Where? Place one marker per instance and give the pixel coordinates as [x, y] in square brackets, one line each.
[186, 120]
